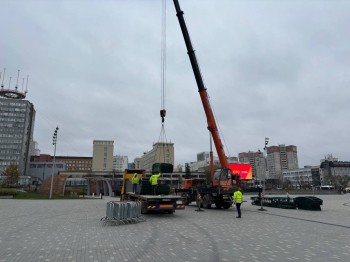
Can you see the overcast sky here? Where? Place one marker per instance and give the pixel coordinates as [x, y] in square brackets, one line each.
[276, 69]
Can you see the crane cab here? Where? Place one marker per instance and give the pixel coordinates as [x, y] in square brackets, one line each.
[223, 177]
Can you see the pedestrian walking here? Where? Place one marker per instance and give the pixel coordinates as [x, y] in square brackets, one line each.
[238, 199]
[288, 197]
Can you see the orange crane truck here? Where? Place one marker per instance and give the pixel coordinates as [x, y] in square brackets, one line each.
[221, 187]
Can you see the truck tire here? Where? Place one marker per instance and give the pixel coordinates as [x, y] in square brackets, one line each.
[144, 208]
[207, 201]
[218, 204]
[226, 205]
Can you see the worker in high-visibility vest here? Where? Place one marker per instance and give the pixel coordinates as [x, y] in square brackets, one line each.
[238, 199]
[135, 182]
[154, 182]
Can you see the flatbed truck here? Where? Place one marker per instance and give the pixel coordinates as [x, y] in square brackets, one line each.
[158, 203]
[150, 203]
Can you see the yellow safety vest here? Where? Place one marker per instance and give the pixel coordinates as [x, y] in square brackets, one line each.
[135, 179]
[154, 179]
[238, 197]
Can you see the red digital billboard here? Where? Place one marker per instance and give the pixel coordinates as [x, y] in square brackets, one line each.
[244, 170]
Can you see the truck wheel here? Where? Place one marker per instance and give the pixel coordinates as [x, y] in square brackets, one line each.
[218, 204]
[207, 201]
[226, 205]
[144, 208]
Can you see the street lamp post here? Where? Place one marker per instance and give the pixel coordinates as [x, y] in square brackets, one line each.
[54, 141]
[262, 181]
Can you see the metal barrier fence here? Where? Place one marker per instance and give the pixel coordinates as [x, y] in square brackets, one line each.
[123, 212]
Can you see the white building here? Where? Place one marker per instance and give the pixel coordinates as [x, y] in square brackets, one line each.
[203, 162]
[120, 163]
[298, 178]
[161, 153]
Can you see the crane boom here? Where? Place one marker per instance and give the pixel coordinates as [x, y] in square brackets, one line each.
[212, 127]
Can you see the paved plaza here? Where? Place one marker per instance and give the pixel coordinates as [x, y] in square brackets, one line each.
[70, 230]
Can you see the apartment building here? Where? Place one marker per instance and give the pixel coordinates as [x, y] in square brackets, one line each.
[258, 162]
[281, 158]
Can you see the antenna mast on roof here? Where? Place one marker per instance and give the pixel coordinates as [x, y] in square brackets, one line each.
[27, 85]
[3, 77]
[12, 93]
[16, 87]
[22, 83]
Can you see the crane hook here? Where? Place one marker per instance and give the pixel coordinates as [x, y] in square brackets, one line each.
[162, 114]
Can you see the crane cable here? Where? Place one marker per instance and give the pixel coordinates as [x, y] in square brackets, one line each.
[219, 129]
[163, 62]
[162, 136]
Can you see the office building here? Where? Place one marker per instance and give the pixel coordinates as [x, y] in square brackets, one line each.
[120, 163]
[39, 171]
[102, 156]
[17, 118]
[334, 172]
[301, 178]
[161, 153]
[72, 163]
[203, 162]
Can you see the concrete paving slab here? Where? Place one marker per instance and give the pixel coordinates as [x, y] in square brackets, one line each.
[71, 230]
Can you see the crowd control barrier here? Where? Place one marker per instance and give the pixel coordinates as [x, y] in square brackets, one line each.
[123, 212]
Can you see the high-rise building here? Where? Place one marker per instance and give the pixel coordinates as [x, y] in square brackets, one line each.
[17, 118]
[281, 158]
[102, 155]
[258, 162]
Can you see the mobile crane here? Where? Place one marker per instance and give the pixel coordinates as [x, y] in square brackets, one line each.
[223, 181]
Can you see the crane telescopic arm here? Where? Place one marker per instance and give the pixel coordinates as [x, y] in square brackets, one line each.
[201, 88]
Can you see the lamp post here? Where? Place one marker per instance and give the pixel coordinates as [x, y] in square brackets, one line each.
[262, 181]
[54, 141]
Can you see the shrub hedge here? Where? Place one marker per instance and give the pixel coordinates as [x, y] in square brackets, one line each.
[7, 192]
